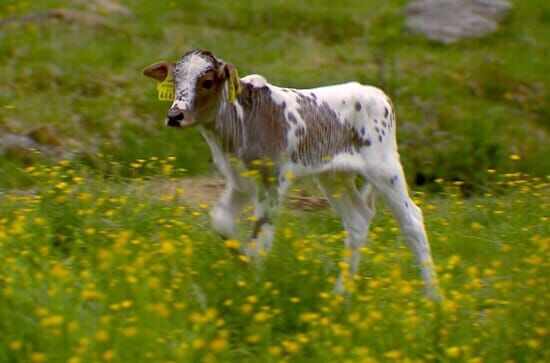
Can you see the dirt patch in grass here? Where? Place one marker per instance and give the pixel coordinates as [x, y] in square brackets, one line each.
[207, 190]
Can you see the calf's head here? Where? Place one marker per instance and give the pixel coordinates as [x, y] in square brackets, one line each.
[199, 81]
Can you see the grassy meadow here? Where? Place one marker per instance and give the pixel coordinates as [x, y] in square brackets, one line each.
[106, 257]
[99, 269]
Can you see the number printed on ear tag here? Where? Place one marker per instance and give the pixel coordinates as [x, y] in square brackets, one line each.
[165, 89]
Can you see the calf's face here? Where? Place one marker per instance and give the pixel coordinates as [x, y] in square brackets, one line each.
[198, 81]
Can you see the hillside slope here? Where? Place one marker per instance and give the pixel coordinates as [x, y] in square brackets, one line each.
[70, 84]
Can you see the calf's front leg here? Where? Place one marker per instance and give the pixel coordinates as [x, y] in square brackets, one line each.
[228, 209]
[266, 207]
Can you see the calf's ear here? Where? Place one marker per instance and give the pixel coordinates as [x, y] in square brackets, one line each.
[159, 70]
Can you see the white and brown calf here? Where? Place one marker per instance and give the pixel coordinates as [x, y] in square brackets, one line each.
[332, 133]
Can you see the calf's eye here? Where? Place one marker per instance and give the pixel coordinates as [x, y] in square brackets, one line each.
[207, 84]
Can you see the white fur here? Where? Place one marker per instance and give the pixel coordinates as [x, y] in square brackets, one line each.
[195, 66]
[263, 242]
[255, 80]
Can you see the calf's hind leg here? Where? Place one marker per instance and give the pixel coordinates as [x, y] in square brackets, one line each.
[356, 216]
[389, 181]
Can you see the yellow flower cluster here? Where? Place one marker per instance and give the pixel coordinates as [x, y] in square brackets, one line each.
[99, 270]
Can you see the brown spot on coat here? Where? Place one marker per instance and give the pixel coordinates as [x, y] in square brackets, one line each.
[261, 134]
[292, 118]
[325, 134]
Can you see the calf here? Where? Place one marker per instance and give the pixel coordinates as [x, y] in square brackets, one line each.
[262, 136]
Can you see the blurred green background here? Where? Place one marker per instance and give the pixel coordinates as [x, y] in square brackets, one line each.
[71, 84]
[106, 253]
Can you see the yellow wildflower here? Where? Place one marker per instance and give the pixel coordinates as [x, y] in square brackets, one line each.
[232, 244]
[533, 343]
[254, 338]
[198, 343]
[246, 309]
[59, 271]
[37, 357]
[290, 347]
[129, 331]
[393, 354]
[261, 316]
[102, 336]
[167, 247]
[61, 185]
[15, 345]
[453, 352]
[108, 355]
[218, 344]
[50, 321]
[275, 351]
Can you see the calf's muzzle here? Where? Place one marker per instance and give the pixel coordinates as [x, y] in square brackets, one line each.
[174, 117]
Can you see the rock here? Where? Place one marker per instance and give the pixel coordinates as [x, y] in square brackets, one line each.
[105, 6]
[24, 147]
[69, 15]
[449, 21]
[9, 140]
[17, 147]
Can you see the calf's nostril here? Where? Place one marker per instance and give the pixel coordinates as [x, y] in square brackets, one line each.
[175, 115]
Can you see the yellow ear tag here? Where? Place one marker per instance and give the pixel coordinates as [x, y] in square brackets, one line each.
[234, 86]
[165, 88]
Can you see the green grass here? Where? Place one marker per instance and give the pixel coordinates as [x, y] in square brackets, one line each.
[99, 264]
[461, 108]
[99, 269]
